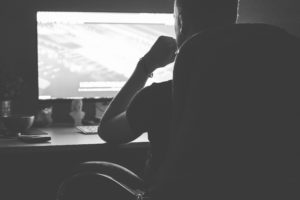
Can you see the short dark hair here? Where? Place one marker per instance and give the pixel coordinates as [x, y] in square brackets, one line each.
[208, 13]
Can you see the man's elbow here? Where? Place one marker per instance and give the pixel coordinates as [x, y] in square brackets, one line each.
[108, 137]
[103, 134]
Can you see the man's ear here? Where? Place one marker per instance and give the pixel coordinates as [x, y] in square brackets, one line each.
[180, 23]
[186, 28]
[180, 31]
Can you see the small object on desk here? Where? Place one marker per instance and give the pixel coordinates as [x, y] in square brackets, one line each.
[30, 132]
[88, 130]
[76, 112]
[44, 117]
[34, 138]
[16, 123]
[34, 131]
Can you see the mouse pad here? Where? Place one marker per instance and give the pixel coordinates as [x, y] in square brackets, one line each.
[34, 132]
[34, 138]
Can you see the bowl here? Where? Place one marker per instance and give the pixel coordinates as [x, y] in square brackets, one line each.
[17, 123]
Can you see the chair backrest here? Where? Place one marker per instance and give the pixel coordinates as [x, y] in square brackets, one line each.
[235, 124]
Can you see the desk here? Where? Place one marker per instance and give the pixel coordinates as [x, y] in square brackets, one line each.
[62, 139]
[36, 170]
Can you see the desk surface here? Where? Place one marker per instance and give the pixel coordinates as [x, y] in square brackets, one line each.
[63, 138]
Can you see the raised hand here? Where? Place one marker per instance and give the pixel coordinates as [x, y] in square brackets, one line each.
[160, 54]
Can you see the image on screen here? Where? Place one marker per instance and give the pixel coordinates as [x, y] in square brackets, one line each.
[91, 55]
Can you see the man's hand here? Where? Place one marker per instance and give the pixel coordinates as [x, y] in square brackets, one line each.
[160, 54]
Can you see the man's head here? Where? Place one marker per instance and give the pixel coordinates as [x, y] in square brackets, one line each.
[192, 16]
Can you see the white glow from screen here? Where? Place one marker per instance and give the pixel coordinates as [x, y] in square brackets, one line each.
[92, 55]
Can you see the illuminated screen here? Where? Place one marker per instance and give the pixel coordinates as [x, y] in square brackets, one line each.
[91, 55]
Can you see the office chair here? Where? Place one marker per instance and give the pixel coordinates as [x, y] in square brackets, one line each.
[235, 119]
[235, 116]
[97, 179]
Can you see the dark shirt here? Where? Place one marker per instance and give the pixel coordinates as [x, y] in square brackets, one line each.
[150, 111]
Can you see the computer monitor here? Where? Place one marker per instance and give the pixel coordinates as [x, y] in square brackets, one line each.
[92, 54]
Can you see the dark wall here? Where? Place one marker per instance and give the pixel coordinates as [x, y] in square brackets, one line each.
[18, 43]
[18, 47]
[283, 13]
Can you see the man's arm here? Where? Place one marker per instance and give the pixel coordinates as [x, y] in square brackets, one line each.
[114, 126]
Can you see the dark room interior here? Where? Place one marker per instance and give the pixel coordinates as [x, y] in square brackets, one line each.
[35, 173]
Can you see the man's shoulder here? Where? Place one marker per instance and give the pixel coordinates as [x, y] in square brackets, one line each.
[235, 31]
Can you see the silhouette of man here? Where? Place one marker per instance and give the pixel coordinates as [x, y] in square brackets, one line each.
[137, 109]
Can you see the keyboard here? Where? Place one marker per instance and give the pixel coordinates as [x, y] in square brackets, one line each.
[88, 130]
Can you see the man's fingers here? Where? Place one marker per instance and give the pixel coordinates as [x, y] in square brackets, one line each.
[162, 52]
